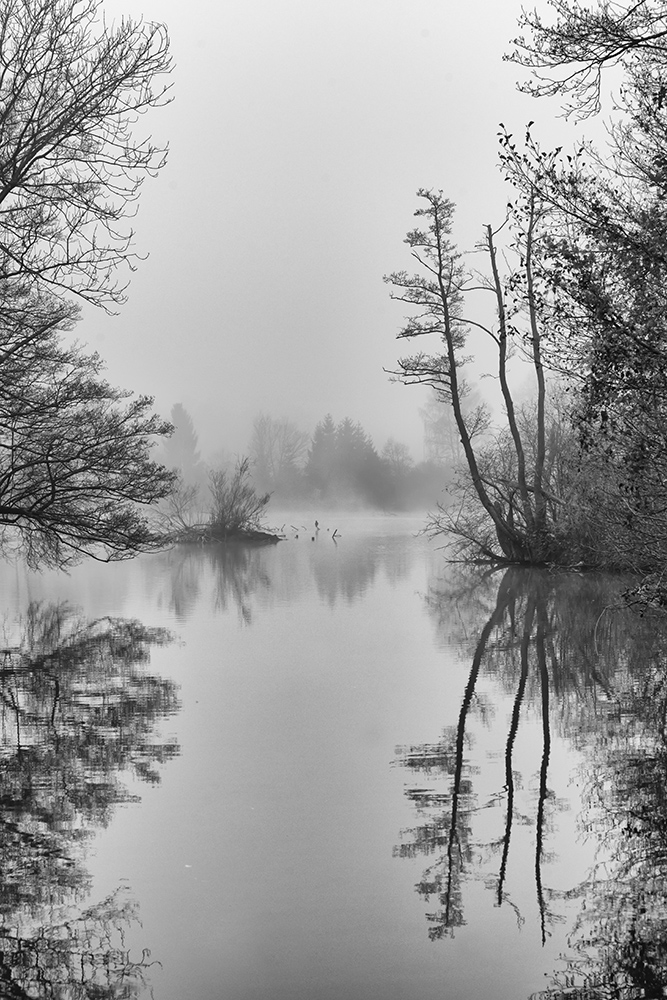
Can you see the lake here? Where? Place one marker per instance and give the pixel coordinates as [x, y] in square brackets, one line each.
[333, 768]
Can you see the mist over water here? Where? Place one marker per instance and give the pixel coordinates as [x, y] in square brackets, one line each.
[335, 466]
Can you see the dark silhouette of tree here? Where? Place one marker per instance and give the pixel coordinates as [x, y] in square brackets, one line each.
[603, 266]
[76, 472]
[71, 90]
[570, 53]
[235, 505]
[602, 272]
[509, 514]
[584, 294]
[75, 467]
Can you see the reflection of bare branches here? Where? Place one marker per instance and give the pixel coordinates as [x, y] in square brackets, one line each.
[243, 572]
[620, 937]
[537, 638]
[601, 682]
[240, 573]
[448, 884]
[184, 563]
[78, 710]
[78, 955]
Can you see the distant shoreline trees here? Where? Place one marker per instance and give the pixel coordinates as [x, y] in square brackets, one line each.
[343, 465]
[335, 467]
[277, 452]
[342, 469]
[180, 451]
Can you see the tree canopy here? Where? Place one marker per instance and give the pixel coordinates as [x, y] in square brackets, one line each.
[568, 54]
[578, 270]
[75, 466]
[71, 168]
[76, 475]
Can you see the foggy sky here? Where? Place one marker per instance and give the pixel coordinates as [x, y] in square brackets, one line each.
[299, 133]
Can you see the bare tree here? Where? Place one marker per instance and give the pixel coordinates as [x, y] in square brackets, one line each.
[71, 169]
[397, 455]
[515, 502]
[568, 53]
[606, 258]
[236, 507]
[75, 465]
[278, 450]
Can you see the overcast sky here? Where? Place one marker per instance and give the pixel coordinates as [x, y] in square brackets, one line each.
[299, 133]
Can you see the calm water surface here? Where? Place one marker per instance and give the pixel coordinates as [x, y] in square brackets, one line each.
[330, 770]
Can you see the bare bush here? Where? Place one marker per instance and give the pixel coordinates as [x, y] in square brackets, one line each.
[236, 505]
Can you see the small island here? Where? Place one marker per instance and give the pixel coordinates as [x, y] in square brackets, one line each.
[234, 514]
[206, 535]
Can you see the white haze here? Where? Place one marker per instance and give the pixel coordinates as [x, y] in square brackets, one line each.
[299, 133]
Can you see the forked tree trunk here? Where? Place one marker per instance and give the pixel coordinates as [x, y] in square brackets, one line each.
[439, 295]
[510, 540]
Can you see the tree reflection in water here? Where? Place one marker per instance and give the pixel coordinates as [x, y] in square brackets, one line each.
[242, 574]
[597, 677]
[78, 710]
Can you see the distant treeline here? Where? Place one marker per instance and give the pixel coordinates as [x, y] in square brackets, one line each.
[336, 465]
[339, 466]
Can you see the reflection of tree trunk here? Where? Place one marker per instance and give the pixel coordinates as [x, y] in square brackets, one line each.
[546, 745]
[56, 699]
[505, 595]
[509, 776]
